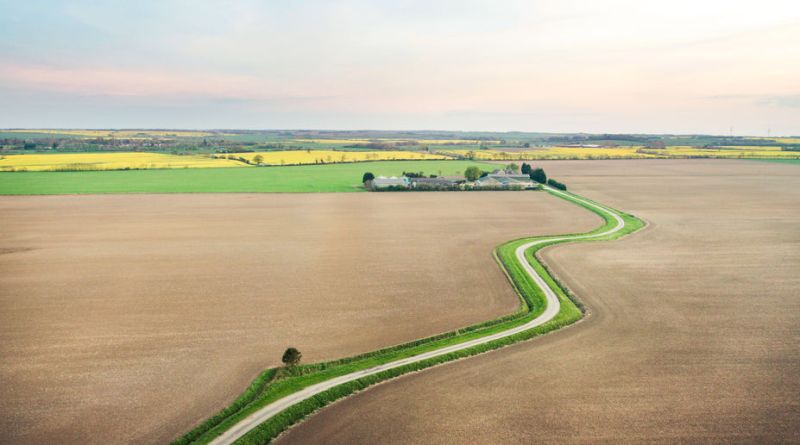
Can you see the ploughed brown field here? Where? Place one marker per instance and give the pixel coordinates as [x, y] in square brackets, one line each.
[128, 319]
[694, 332]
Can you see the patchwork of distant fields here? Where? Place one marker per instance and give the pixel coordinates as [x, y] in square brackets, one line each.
[631, 152]
[148, 161]
[108, 161]
[308, 178]
[88, 150]
[93, 161]
[294, 157]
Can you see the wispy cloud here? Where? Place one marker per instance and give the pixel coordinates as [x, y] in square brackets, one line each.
[144, 83]
[790, 101]
[507, 64]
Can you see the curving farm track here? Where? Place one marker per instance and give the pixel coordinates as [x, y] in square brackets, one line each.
[552, 309]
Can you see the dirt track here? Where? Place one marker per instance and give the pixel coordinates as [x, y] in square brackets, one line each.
[693, 337]
[128, 318]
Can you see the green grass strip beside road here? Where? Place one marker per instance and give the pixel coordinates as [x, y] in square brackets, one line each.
[274, 384]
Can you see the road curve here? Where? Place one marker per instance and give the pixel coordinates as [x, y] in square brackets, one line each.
[551, 310]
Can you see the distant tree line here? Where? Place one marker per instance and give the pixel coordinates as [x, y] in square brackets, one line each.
[599, 137]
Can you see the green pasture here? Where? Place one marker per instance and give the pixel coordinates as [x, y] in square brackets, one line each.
[305, 178]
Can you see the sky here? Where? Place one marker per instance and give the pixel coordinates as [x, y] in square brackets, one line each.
[632, 66]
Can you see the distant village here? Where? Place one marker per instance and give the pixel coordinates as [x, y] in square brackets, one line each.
[509, 178]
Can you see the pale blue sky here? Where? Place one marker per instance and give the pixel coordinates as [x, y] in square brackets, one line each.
[596, 66]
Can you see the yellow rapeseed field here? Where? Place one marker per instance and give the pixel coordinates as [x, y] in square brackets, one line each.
[109, 161]
[731, 152]
[295, 157]
[748, 147]
[624, 153]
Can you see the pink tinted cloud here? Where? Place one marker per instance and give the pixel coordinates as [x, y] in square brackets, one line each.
[115, 82]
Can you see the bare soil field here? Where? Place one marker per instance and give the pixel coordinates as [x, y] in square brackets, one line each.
[127, 319]
[693, 333]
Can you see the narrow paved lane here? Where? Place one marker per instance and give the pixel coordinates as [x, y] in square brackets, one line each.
[552, 309]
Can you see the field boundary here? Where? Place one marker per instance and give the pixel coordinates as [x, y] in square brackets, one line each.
[279, 397]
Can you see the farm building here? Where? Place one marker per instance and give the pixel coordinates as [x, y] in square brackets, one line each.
[432, 183]
[506, 181]
[383, 182]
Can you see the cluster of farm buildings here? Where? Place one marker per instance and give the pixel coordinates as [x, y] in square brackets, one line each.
[497, 180]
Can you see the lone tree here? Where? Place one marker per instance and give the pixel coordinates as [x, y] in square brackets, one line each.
[472, 173]
[367, 177]
[291, 357]
[539, 176]
[257, 159]
[526, 168]
[514, 167]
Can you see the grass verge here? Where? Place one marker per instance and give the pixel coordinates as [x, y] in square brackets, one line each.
[274, 384]
[780, 161]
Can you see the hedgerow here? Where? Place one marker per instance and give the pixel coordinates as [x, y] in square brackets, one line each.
[555, 184]
[250, 394]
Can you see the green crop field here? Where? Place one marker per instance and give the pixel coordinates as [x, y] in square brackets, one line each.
[307, 178]
[782, 161]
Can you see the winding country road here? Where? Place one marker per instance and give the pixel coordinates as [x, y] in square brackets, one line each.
[551, 310]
